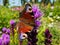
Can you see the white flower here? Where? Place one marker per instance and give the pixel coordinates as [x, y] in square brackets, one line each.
[0, 32]
[58, 17]
[50, 13]
[51, 24]
[52, 7]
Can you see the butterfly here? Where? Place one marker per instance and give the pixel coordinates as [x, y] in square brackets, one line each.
[26, 20]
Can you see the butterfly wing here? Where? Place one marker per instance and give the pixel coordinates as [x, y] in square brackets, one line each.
[26, 23]
[24, 27]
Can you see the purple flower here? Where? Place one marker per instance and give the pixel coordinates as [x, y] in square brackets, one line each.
[38, 23]
[12, 22]
[34, 8]
[3, 35]
[6, 39]
[4, 29]
[8, 31]
[36, 11]
[32, 37]
[37, 14]
[48, 37]
[47, 32]
[0, 41]
[48, 41]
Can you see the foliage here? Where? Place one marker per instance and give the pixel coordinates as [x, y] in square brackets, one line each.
[52, 12]
[6, 15]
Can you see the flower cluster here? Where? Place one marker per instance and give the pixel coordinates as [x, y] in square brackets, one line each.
[36, 11]
[5, 38]
[12, 22]
[32, 35]
[48, 37]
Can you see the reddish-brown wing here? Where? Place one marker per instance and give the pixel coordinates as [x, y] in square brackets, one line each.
[26, 23]
[24, 28]
[27, 18]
